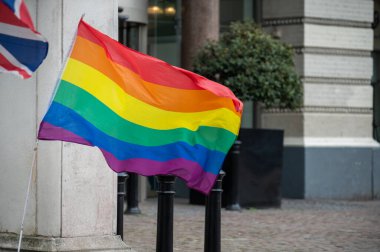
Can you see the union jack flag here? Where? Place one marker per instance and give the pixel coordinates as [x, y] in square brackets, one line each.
[22, 48]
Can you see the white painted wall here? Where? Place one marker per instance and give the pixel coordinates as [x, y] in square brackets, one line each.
[325, 36]
[74, 191]
[355, 10]
[334, 66]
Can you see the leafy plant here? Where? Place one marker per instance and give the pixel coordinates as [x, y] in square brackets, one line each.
[255, 66]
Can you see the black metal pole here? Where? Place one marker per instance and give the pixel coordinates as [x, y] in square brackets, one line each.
[213, 216]
[233, 174]
[165, 195]
[121, 177]
[132, 194]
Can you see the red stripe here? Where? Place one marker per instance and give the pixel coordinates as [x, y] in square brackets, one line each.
[149, 68]
[25, 16]
[8, 17]
[214, 87]
[154, 70]
[10, 67]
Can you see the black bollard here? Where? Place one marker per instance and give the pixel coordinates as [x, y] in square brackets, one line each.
[232, 203]
[165, 193]
[121, 177]
[132, 194]
[213, 216]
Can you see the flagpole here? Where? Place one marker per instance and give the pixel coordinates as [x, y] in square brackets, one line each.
[27, 195]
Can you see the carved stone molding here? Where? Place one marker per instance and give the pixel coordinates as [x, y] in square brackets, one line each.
[283, 21]
[331, 51]
[313, 20]
[315, 109]
[336, 81]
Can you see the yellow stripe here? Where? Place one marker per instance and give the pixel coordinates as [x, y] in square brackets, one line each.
[136, 111]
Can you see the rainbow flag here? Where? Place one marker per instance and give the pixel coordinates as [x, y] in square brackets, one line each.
[145, 115]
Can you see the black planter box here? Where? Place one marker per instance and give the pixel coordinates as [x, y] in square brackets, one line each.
[261, 159]
[260, 168]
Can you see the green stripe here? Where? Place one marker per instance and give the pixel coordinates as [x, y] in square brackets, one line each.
[113, 125]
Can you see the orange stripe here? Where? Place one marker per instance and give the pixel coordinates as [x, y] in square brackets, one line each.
[164, 97]
[150, 69]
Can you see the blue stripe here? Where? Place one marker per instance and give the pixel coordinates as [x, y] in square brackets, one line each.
[28, 52]
[10, 4]
[64, 117]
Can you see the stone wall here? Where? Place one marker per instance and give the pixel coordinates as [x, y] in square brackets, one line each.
[332, 41]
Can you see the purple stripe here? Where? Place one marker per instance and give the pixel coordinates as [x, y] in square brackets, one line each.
[189, 171]
[48, 131]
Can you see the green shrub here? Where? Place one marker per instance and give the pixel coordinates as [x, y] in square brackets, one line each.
[255, 66]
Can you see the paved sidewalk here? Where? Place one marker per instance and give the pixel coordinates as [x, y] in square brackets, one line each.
[300, 225]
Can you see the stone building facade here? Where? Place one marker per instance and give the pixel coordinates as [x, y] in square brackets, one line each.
[329, 147]
[330, 150]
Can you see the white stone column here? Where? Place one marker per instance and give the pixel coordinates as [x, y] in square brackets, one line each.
[332, 132]
[72, 205]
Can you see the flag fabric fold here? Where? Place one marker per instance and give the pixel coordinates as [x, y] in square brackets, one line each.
[145, 115]
[22, 48]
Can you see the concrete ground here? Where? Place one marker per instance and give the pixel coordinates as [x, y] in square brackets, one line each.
[300, 225]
